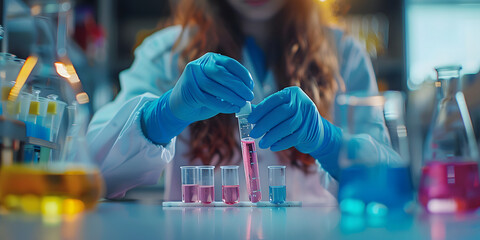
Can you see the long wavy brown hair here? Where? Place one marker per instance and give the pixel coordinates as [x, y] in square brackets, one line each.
[304, 57]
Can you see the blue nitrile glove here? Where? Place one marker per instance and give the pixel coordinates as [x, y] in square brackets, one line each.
[209, 85]
[289, 118]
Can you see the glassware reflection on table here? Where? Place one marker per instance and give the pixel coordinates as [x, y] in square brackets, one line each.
[50, 170]
[450, 180]
[374, 157]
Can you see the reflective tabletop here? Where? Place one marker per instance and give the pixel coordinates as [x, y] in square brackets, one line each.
[140, 220]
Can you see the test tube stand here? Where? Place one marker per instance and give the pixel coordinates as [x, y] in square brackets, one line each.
[14, 143]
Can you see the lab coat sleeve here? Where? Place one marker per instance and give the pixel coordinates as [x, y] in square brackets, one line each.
[126, 157]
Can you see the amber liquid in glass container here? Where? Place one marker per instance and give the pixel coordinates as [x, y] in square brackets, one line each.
[35, 190]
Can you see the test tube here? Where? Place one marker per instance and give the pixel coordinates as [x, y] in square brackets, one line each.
[189, 184]
[206, 191]
[33, 113]
[230, 185]
[55, 109]
[276, 181]
[249, 154]
[48, 122]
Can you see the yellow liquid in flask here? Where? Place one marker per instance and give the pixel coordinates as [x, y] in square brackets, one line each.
[32, 189]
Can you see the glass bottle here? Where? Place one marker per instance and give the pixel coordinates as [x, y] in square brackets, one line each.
[374, 157]
[449, 180]
[59, 176]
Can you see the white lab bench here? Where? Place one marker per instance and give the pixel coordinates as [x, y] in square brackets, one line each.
[140, 220]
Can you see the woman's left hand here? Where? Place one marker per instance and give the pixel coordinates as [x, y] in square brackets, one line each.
[288, 118]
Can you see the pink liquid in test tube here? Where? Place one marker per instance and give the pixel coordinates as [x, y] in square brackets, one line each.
[249, 153]
[230, 194]
[206, 194]
[190, 193]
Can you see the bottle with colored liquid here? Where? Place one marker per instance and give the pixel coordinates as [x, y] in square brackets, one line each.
[206, 190]
[249, 154]
[450, 179]
[374, 159]
[230, 185]
[189, 184]
[276, 182]
[65, 179]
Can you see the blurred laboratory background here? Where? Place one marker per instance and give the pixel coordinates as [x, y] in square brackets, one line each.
[405, 39]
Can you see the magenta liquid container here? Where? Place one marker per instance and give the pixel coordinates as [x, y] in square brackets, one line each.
[249, 154]
[450, 177]
[206, 190]
[230, 184]
[189, 184]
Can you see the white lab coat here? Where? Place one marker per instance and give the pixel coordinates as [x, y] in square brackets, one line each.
[128, 159]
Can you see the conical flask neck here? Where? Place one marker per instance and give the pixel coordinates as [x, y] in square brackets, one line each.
[448, 81]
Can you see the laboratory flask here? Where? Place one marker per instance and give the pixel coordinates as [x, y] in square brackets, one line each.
[449, 180]
[56, 174]
[374, 157]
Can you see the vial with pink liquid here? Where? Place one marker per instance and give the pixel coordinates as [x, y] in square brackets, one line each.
[189, 184]
[230, 185]
[206, 191]
[249, 154]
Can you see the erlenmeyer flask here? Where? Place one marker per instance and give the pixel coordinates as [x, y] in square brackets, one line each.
[450, 181]
[57, 174]
[375, 174]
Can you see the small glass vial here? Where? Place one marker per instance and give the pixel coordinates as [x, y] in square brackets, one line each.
[277, 187]
[230, 185]
[189, 184]
[206, 191]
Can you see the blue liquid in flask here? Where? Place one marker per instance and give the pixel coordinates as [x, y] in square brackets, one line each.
[388, 187]
[278, 194]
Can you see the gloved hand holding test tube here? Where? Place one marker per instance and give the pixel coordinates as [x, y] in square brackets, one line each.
[249, 154]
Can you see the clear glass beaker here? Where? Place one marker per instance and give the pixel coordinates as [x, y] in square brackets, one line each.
[189, 184]
[230, 184]
[276, 184]
[449, 180]
[206, 189]
[56, 174]
[374, 173]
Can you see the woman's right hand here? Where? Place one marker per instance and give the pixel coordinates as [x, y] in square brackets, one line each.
[210, 85]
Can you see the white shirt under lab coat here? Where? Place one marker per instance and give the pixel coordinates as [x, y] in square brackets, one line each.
[128, 159]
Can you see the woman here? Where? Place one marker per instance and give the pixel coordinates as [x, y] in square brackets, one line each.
[184, 82]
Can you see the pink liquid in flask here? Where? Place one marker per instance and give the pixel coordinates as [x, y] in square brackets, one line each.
[206, 194]
[230, 194]
[449, 186]
[189, 193]
[249, 153]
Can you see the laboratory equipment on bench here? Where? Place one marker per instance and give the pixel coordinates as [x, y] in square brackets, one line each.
[276, 184]
[230, 185]
[206, 189]
[374, 158]
[54, 174]
[449, 181]
[189, 184]
[249, 154]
